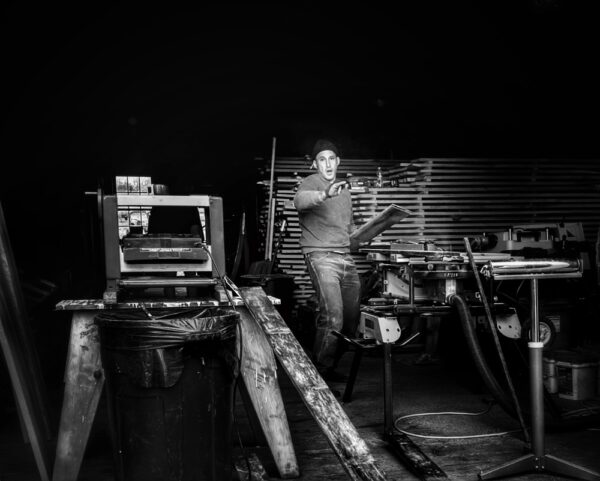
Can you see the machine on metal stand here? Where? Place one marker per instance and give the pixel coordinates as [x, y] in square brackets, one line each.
[418, 279]
[538, 460]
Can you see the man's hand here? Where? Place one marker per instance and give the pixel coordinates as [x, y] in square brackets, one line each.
[335, 189]
[355, 245]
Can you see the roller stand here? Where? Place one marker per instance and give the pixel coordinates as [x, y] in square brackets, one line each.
[538, 461]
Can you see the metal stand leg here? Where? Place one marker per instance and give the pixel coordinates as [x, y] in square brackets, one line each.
[400, 444]
[538, 461]
[358, 353]
[388, 403]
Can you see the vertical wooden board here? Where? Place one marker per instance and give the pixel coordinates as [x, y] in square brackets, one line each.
[19, 375]
[349, 447]
[259, 373]
[17, 320]
[84, 380]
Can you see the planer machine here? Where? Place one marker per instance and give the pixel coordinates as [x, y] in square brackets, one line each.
[162, 245]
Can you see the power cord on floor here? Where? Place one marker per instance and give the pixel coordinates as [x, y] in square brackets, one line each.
[450, 413]
[588, 408]
[227, 284]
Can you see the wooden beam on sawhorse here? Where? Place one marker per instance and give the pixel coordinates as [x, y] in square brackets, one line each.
[349, 447]
[259, 373]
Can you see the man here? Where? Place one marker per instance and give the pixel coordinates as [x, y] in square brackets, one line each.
[325, 211]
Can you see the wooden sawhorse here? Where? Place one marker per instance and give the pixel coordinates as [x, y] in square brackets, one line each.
[84, 380]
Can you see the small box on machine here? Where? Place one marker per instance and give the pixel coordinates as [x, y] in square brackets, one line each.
[384, 329]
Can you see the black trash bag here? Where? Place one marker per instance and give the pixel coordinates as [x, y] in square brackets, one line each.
[170, 379]
[152, 352]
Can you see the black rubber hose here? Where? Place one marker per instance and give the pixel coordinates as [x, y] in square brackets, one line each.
[490, 381]
[468, 327]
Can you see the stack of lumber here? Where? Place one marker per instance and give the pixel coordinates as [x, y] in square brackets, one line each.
[451, 198]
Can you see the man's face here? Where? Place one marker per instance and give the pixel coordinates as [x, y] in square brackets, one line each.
[327, 163]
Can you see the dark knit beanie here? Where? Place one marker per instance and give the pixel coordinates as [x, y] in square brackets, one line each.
[324, 144]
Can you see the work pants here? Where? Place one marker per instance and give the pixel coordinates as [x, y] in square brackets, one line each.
[337, 286]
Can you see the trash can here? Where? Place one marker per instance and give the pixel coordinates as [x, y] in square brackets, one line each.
[170, 380]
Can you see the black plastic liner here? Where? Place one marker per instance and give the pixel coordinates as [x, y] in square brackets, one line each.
[152, 352]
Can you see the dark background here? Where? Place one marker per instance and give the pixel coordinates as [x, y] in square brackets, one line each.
[193, 97]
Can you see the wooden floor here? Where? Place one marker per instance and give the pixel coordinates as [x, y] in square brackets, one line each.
[417, 389]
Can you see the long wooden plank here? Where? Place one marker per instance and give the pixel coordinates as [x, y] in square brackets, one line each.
[26, 405]
[259, 373]
[413, 457]
[349, 447]
[17, 319]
